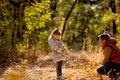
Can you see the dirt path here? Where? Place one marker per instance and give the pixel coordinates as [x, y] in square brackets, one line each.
[78, 67]
[36, 73]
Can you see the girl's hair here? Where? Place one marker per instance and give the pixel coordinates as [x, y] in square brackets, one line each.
[55, 31]
[105, 36]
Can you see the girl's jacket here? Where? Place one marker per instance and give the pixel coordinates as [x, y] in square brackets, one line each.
[57, 47]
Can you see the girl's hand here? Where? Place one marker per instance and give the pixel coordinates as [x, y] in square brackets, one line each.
[62, 54]
[60, 44]
[67, 52]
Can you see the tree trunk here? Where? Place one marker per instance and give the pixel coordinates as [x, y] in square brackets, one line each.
[18, 23]
[113, 7]
[66, 19]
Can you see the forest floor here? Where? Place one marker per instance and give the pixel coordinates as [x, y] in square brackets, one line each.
[79, 66]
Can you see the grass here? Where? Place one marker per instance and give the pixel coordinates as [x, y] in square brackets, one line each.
[80, 65]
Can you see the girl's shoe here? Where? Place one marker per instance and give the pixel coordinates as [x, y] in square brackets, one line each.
[61, 78]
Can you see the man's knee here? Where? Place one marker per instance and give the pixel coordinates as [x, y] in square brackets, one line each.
[101, 71]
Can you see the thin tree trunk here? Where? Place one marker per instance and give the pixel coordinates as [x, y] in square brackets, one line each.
[18, 23]
[113, 7]
[66, 19]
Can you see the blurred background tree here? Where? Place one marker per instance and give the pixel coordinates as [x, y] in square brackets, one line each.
[25, 25]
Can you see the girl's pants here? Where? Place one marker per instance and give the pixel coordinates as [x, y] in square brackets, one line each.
[59, 68]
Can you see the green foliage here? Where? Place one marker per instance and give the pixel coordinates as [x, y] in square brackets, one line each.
[107, 17]
[29, 23]
[83, 24]
[23, 24]
[117, 17]
[43, 43]
[36, 17]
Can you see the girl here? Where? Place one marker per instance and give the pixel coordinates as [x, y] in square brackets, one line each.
[59, 51]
